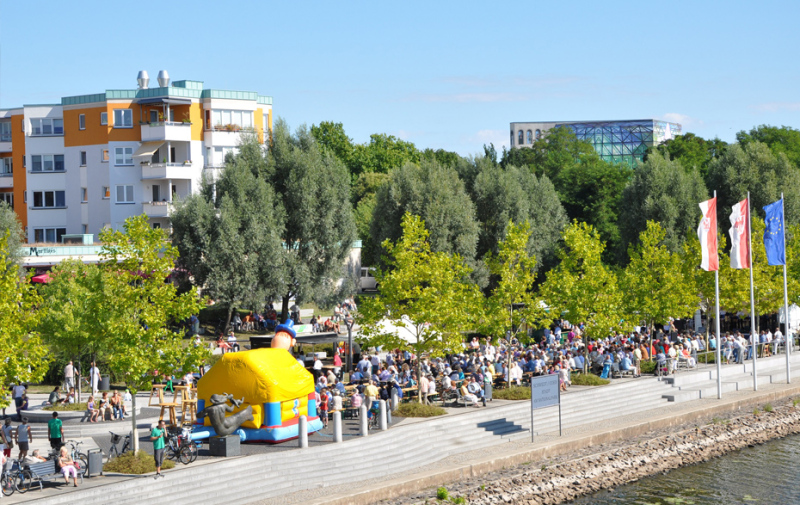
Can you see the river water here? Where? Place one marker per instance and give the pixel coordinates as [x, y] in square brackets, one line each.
[767, 474]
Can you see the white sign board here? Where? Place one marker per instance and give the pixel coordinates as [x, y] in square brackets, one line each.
[545, 391]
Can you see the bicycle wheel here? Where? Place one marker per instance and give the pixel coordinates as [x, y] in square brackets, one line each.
[185, 455]
[83, 459]
[192, 450]
[126, 446]
[7, 484]
[23, 480]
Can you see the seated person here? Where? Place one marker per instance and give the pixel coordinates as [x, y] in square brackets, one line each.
[55, 397]
[117, 406]
[356, 377]
[474, 388]
[625, 364]
[355, 400]
[70, 398]
[91, 410]
[222, 344]
[232, 343]
[33, 458]
[468, 396]
[104, 406]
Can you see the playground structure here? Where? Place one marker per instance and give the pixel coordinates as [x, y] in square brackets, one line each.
[272, 383]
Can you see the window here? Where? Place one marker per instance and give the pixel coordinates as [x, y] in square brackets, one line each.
[519, 138]
[106, 192]
[82, 121]
[47, 126]
[123, 118]
[83, 158]
[123, 156]
[5, 132]
[104, 118]
[85, 229]
[156, 226]
[48, 235]
[7, 198]
[48, 199]
[6, 166]
[512, 137]
[538, 134]
[240, 118]
[529, 137]
[104, 155]
[47, 163]
[125, 194]
[84, 195]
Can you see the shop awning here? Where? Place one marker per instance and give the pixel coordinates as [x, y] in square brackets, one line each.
[148, 149]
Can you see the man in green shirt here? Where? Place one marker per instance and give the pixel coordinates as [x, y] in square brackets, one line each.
[55, 431]
[158, 435]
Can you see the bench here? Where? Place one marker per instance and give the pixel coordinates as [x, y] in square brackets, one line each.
[47, 470]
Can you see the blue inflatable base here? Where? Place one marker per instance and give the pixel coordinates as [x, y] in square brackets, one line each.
[269, 435]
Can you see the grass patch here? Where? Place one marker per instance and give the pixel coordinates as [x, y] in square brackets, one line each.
[414, 409]
[41, 388]
[768, 407]
[69, 407]
[588, 379]
[512, 393]
[795, 402]
[442, 494]
[139, 464]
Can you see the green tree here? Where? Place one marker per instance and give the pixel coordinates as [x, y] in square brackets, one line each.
[427, 293]
[313, 187]
[364, 199]
[653, 284]
[140, 331]
[755, 168]
[25, 358]
[516, 195]
[661, 191]
[382, 154]
[691, 151]
[331, 136]
[581, 287]
[557, 150]
[513, 270]
[437, 195]
[783, 140]
[230, 239]
[592, 192]
[10, 223]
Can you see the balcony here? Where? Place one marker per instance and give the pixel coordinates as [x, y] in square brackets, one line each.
[166, 130]
[185, 170]
[6, 180]
[157, 209]
[225, 135]
[5, 143]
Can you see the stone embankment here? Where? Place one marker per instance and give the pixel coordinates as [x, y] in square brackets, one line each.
[623, 464]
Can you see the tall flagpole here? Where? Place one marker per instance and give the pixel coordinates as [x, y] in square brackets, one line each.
[788, 336]
[716, 306]
[753, 335]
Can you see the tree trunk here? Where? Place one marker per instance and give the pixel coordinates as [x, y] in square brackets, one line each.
[419, 372]
[284, 308]
[228, 320]
[134, 430]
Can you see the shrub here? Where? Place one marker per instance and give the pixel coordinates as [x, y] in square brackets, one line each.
[137, 464]
[69, 407]
[459, 500]
[442, 494]
[707, 358]
[588, 379]
[414, 409]
[512, 393]
[648, 367]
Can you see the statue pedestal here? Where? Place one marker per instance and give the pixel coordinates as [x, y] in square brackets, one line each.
[225, 447]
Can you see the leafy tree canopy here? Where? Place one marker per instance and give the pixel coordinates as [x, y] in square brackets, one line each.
[10, 223]
[691, 151]
[783, 140]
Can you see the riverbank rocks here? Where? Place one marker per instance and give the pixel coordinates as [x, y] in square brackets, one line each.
[619, 465]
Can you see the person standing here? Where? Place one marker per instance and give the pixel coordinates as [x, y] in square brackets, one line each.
[56, 431]
[23, 436]
[7, 433]
[69, 376]
[317, 368]
[18, 392]
[94, 376]
[157, 436]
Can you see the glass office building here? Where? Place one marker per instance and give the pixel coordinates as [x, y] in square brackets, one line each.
[623, 141]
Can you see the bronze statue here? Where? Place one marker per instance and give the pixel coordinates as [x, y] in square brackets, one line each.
[222, 424]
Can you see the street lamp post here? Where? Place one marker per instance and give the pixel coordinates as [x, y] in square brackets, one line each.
[349, 322]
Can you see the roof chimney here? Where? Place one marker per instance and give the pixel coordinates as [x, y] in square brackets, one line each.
[163, 78]
[143, 79]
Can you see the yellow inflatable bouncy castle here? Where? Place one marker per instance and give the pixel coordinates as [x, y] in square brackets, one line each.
[273, 383]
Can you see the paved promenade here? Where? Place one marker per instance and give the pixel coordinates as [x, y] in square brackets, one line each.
[420, 454]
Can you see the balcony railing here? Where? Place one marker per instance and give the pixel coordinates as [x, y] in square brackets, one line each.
[157, 209]
[167, 170]
[166, 130]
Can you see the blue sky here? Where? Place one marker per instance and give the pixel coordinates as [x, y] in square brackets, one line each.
[449, 75]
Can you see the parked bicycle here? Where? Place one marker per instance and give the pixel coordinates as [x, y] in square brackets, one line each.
[373, 415]
[180, 446]
[74, 451]
[115, 440]
[14, 478]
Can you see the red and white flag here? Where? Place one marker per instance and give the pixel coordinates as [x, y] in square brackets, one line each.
[740, 237]
[707, 233]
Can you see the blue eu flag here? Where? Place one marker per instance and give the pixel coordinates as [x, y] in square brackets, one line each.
[773, 234]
